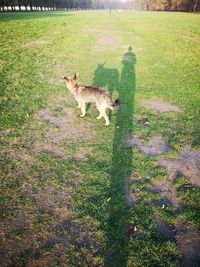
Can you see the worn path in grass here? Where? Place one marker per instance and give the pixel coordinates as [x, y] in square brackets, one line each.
[77, 193]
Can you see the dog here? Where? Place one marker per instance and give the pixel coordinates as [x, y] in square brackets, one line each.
[87, 94]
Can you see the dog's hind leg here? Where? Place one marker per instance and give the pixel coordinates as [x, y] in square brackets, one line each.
[82, 105]
[103, 112]
[100, 111]
[106, 118]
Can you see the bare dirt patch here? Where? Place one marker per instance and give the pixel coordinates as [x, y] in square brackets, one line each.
[64, 128]
[50, 228]
[188, 240]
[155, 147]
[82, 154]
[59, 72]
[19, 155]
[187, 165]
[66, 117]
[36, 43]
[107, 41]
[186, 236]
[60, 101]
[20, 222]
[132, 195]
[50, 148]
[55, 81]
[160, 106]
[78, 178]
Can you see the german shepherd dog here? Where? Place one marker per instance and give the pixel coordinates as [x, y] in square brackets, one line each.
[87, 94]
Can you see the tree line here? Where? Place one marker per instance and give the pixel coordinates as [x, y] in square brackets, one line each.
[165, 5]
[44, 5]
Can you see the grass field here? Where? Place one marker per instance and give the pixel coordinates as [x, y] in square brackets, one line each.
[77, 193]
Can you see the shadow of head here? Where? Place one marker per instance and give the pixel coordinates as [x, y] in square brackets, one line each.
[129, 57]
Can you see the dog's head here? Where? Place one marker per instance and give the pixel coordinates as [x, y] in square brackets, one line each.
[71, 82]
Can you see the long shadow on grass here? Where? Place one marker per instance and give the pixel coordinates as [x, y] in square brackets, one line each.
[117, 236]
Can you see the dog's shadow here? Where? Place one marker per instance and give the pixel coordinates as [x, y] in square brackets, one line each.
[107, 78]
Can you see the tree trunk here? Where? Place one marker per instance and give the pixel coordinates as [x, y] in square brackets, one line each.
[195, 6]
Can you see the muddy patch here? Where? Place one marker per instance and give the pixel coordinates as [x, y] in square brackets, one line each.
[160, 106]
[188, 240]
[164, 228]
[187, 165]
[155, 147]
[167, 193]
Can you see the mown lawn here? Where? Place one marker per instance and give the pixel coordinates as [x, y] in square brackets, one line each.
[74, 192]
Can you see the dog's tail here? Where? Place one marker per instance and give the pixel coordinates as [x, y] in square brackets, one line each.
[114, 105]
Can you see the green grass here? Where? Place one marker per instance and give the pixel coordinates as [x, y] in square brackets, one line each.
[84, 223]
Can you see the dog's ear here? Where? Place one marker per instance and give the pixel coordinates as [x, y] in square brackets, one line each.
[76, 75]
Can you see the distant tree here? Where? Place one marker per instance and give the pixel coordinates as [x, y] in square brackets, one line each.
[168, 4]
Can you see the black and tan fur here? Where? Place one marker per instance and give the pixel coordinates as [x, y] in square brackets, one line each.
[87, 94]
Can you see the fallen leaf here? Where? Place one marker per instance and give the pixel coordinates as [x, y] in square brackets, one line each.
[108, 199]
[187, 186]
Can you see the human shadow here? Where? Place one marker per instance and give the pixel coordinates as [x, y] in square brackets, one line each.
[116, 228]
